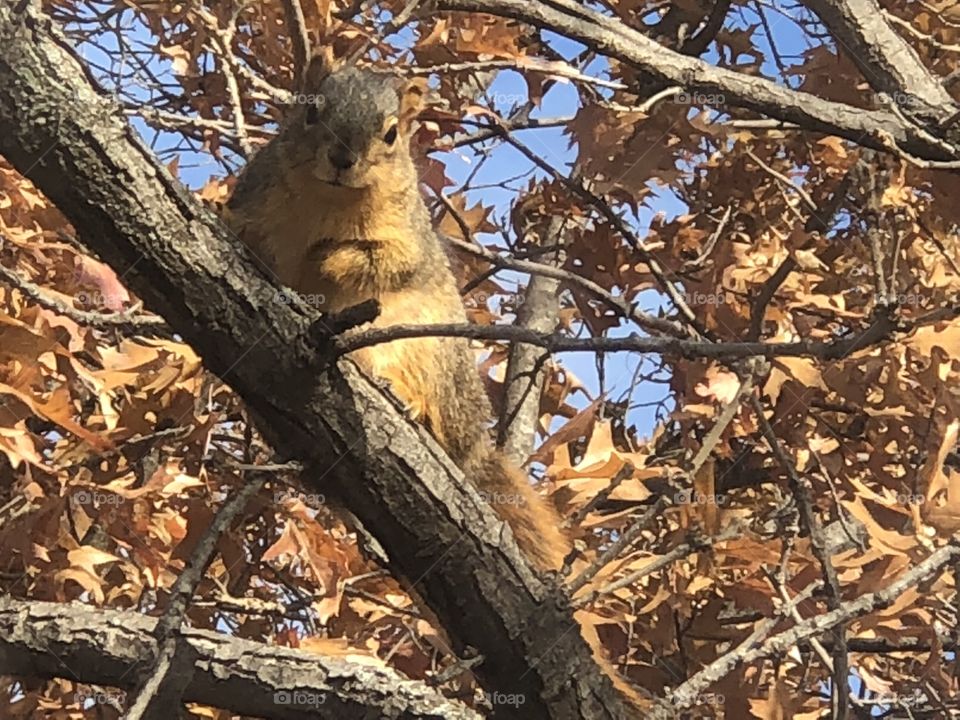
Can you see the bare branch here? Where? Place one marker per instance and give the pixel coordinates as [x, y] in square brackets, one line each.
[886, 60]
[523, 380]
[98, 646]
[627, 309]
[756, 648]
[803, 495]
[878, 331]
[297, 27]
[170, 671]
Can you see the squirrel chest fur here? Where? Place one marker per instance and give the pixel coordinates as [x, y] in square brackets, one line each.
[332, 208]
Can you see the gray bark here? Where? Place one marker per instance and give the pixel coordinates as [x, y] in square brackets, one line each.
[97, 646]
[886, 60]
[523, 379]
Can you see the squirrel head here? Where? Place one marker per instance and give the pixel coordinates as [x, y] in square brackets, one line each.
[352, 126]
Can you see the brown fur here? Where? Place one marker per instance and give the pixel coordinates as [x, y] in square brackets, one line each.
[363, 232]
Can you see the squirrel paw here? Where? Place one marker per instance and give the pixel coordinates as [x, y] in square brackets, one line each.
[410, 410]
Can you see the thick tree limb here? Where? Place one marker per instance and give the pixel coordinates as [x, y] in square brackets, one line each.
[877, 129]
[886, 60]
[98, 646]
[75, 145]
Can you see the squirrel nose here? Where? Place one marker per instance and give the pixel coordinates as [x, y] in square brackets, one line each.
[342, 158]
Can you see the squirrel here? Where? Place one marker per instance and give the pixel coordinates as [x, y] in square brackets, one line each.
[332, 206]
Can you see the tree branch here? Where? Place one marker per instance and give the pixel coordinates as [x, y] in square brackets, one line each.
[756, 647]
[98, 646]
[523, 380]
[886, 60]
[877, 129]
[171, 669]
[880, 330]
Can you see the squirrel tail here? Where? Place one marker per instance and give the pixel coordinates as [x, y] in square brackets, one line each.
[535, 523]
[537, 527]
[633, 696]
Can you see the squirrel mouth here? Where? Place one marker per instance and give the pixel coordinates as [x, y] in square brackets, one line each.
[338, 182]
[337, 179]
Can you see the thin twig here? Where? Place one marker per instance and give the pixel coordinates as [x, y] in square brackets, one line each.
[879, 330]
[694, 543]
[785, 182]
[628, 310]
[803, 495]
[222, 38]
[686, 694]
[729, 412]
[527, 64]
[646, 256]
[617, 548]
[712, 240]
[817, 221]
[129, 321]
[624, 473]
[172, 668]
[755, 648]
[297, 29]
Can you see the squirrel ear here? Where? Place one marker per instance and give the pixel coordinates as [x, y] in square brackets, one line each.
[412, 96]
[320, 65]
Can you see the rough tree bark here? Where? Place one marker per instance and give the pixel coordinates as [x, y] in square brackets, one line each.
[886, 60]
[76, 146]
[99, 647]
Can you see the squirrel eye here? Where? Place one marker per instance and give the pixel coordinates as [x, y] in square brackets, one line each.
[390, 137]
[313, 114]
